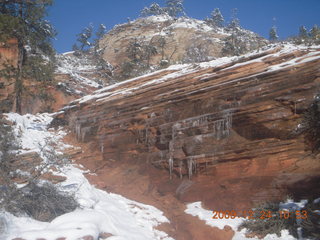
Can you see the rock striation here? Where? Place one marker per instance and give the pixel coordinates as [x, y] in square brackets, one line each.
[227, 127]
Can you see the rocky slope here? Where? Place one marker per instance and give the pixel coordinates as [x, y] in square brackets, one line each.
[175, 40]
[223, 131]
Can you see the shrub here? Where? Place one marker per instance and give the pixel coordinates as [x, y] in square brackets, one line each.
[274, 225]
[311, 225]
[306, 226]
[41, 201]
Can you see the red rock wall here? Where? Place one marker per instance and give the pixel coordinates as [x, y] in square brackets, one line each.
[8, 57]
[229, 128]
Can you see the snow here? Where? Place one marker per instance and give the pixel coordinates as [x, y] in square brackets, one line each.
[99, 212]
[31, 131]
[296, 61]
[158, 18]
[192, 23]
[290, 205]
[75, 67]
[195, 209]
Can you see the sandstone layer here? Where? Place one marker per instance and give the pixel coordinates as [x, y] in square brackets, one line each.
[223, 132]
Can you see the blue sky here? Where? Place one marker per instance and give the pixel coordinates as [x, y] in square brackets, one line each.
[70, 16]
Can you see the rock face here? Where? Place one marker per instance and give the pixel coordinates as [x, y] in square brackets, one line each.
[227, 125]
[175, 40]
[8, 57]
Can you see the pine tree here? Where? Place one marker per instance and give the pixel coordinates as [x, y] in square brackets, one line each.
[99, 34]
[84, 36]
[153, 10]
[315, 33]
[24, 21]
[273, 36]
[101, 31]
[217, 18]
[303, 33]
[174, 8]
[235, 22]
[134, 51]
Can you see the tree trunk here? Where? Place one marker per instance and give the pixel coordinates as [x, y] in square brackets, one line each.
[19, 80]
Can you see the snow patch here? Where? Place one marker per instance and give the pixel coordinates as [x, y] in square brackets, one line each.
[195, 209]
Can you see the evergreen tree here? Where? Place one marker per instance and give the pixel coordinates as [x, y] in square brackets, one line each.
[303, 33]
[101, 31]
[235, 22]
[135, 51]
[149, 51]
[84, 37]
[217, 18]
[273, 36]
[315, 33]
[174, 8]
[24, 20]
[153, 10]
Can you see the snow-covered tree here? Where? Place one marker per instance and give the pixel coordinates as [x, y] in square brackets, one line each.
[217, 18]
[25, 21]
[234, 45]
[149, 51]
[303, 33]
[235, 22]
[101, 31]
[153, 10]
[174, 8]
[84, 37]
[315, 32]
[196, 53]
[135, 51]
[273, 36]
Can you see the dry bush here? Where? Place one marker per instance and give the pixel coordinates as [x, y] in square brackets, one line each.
[273, 225]
[41, 201]
[311, 225]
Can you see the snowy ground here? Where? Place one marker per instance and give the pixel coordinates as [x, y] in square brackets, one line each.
[195, 209]
[100, 212]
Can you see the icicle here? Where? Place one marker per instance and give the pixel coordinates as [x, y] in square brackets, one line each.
[146, 136]
[102, 147]
[190, 166]
[219, 128]
[180, 169]
[170, 161]
[78, 131]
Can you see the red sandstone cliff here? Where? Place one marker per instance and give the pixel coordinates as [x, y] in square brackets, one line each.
[8, 57]
[226, 125]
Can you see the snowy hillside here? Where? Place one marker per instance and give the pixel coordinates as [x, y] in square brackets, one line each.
[80, 74]
[99, 212]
